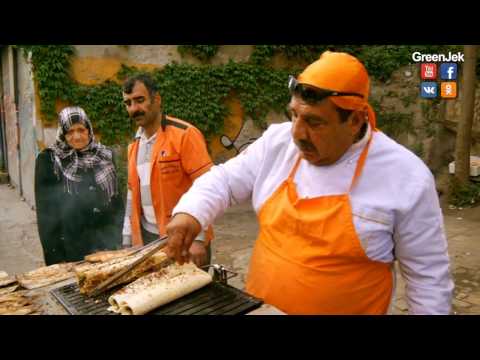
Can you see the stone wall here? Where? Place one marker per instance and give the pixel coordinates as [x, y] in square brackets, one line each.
[398, 96]
[429, 130]
[94, 64]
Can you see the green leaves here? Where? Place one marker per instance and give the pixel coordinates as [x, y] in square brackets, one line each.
[197, 93]
[201, 52]
[103, 102]
[463, 195]
[391, 122]
[51, 65]
[380, 60]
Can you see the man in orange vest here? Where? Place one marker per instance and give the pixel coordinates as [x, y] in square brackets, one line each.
[337, 203]
[167, 156]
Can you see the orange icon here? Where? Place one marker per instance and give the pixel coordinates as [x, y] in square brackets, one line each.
[448, 90]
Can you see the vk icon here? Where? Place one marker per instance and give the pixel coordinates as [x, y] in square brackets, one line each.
[448, 71]
[428, 89]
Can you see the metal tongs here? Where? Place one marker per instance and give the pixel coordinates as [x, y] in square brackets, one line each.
[154, 245]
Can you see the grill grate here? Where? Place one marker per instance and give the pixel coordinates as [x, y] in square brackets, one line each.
[213, 299]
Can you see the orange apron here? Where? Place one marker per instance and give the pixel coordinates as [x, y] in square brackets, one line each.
[308, 258]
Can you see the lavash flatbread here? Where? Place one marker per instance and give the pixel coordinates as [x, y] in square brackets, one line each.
[107, 255]
[18, 304]
[22, 310]
[6, 280]
[91, 275]
[8, 289]
[159, 288]
[46, 275]
[18, 308]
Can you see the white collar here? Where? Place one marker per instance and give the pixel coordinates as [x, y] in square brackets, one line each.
[143, 138]
[356, 147]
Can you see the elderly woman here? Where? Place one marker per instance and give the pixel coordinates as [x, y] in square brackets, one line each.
[79, 209]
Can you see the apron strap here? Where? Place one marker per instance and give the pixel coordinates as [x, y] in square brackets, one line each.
[358, 169]
[361, 162]
[294, 168]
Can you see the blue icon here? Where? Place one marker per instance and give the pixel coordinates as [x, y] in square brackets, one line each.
[448, 71]
[428, 89]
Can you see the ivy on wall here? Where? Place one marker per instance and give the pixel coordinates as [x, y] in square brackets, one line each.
[50, 66]
[192, 92]
[102, 102]
[391, 122]
[262, 54]
[197, 93]
[201, 52]
[380, 60]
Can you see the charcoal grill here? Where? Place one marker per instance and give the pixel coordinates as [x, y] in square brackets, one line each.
[217, 298]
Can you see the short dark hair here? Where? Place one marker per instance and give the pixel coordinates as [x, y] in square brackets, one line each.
[145, 79]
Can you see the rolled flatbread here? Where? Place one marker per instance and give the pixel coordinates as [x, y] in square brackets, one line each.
[158, 288]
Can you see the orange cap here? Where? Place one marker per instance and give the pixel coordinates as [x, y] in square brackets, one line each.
[343, 73]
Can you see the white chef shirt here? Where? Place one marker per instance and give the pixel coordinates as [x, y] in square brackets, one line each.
[395, 205]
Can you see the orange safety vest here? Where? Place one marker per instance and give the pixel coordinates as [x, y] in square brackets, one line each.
[177, 160]
[308, 258]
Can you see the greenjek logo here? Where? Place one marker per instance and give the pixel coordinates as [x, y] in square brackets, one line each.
[450, 57]
[442, 66]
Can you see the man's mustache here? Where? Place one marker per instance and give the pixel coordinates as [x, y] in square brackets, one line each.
[305, 145]
[137, 114]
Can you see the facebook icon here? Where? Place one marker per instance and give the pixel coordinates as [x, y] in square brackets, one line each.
[428, 89]
[448, 71]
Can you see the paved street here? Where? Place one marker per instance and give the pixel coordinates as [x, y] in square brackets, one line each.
[235, 232]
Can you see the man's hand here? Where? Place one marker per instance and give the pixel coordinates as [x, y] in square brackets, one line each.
[181, 231]
[198, 253]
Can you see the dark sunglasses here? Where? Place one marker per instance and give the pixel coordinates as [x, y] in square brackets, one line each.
[311, 94]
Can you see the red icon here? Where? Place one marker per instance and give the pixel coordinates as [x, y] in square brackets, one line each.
[429, 71]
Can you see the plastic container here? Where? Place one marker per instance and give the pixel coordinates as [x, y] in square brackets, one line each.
[474, 166]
